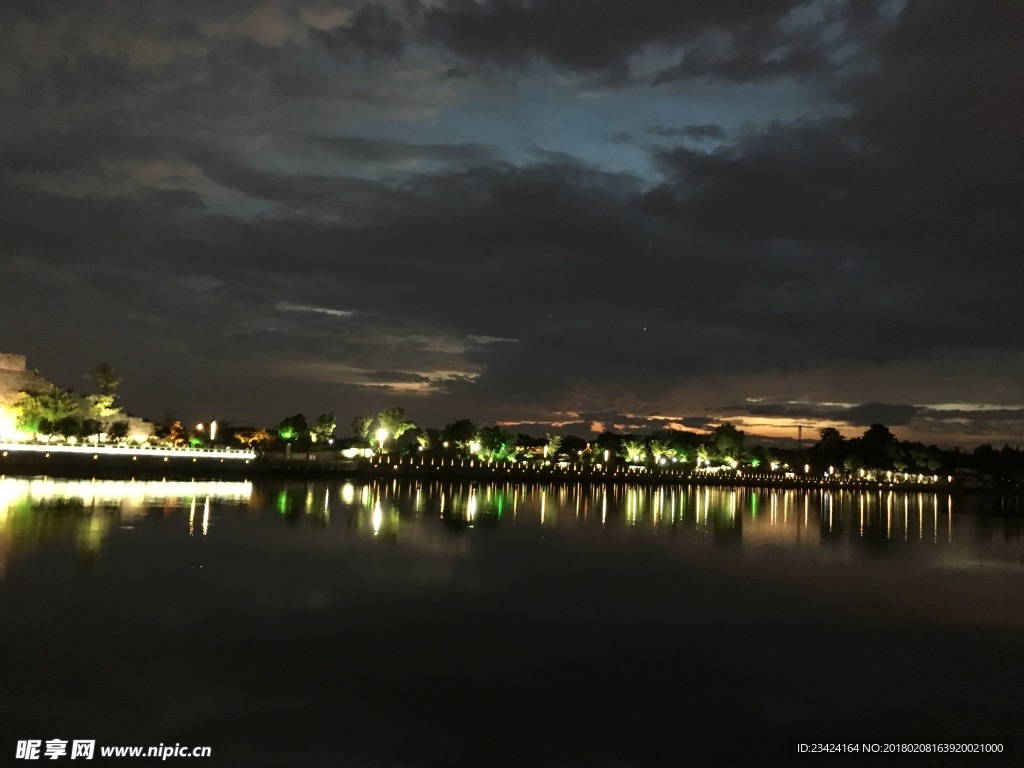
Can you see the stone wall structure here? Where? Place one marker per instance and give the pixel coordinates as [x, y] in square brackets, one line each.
[15, 376]
[10, 362]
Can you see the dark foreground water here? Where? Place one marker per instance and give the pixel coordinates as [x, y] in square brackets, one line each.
[331, 624]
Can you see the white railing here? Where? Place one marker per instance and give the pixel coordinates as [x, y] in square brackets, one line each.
[130, 450]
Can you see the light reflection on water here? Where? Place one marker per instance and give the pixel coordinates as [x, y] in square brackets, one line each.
[249, 616]
[39, 510]
[937, 529]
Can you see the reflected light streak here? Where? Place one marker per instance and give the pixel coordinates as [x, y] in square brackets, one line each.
[134, 492]
[377, 518]
[949, 517]
[906, 518]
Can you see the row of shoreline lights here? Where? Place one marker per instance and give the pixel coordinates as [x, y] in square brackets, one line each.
[382, 436]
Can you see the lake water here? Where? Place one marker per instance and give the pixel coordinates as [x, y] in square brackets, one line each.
[408, 624]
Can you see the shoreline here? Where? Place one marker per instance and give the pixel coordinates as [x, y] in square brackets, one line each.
[211, 465]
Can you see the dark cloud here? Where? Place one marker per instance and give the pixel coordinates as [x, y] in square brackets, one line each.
[589, 36]
[372, 30]
[391, 152]
[701, 131]
[893, 415]
[178, 177]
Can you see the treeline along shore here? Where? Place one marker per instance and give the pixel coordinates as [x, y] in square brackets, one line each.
[45, 429]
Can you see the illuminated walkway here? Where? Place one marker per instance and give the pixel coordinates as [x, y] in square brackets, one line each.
[107, 450]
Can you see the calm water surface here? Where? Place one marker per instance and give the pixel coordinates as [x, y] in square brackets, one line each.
[405, 624]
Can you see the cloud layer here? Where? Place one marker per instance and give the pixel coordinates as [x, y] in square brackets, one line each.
[539, 213]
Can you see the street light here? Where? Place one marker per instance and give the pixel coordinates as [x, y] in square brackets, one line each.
[382, 435]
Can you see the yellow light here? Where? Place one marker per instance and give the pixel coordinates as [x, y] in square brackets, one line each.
[378, 516]
[8, 424]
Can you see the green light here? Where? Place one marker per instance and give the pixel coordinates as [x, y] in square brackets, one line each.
[282, 503]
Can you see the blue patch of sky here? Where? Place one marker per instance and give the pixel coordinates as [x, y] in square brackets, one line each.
[548, 119]
[541, 119]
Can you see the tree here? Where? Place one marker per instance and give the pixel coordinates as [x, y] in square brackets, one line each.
[728, 441]
[105, 379]
[118, 430]
[362, 428]
[830, 435]
[573, 445]
[554, 443]
[177, 434]
[323, 429]
[831, 449]
[460, 433]
[662, 449]
[610, 442]
[35, 407]
[633, 451]
[68, 426]
[107, 382]
[293, 428]
[255, 438]
[102, 406]
[877, 447]
[429, 439]
[409, 441]
[496, 444]
[171, 431]
[393, 420]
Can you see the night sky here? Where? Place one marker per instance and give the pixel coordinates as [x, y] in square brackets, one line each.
[594, 215]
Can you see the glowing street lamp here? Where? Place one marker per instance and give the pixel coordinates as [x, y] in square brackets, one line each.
[382, 435]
